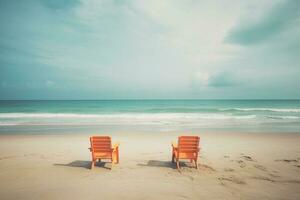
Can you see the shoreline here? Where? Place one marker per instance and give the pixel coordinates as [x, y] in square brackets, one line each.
[150, 129]
[96, 130]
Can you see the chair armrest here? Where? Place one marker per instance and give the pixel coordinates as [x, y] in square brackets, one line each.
[174, 145]
[115, 146]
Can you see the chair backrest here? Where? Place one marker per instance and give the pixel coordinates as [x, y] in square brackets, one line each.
[100, 144]
[188, 144]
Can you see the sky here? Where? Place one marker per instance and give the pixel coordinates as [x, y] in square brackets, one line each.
[156, 49]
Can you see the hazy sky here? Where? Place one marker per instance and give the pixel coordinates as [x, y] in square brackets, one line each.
[101, 49]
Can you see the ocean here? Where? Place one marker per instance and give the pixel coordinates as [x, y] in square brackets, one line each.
[149, 115]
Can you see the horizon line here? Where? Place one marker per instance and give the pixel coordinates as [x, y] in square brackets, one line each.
[146, 99]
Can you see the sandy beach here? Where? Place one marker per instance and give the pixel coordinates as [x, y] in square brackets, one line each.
[145, 73]
[231, 166]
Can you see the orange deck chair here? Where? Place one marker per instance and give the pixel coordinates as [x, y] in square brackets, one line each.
[101, 148]
[187, 148]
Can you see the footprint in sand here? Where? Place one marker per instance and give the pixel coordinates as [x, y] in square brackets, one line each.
[242, 163]
[263, 178]
[291, 181]
[232, 179]
[7, 157]
[43, 157]
[248, 158]
[57, 155]
[207, 168]
[30, 155]
[192, 171]
[287, 160]
[191, 178]
[228, 169]
[274, 175]
[183, 197]
[260, 167]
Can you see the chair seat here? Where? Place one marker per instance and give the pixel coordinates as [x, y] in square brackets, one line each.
[183, 155]
[102, 155]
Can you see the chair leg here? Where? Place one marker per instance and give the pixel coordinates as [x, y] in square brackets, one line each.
[177, 164]
[92, 164]
[117, 156]
[173, 157]
[112, 163]
[196, 163]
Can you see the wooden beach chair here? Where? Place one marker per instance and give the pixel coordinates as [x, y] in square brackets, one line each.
[187, 148]
[101, 148]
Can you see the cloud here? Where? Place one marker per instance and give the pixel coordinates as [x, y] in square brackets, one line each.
[201, 79]
[147, 49]
[216, 80]
[60, 4]
[225, 79]
[50, 83]
[283, 16]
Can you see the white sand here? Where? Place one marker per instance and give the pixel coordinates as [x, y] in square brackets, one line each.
[57, 167]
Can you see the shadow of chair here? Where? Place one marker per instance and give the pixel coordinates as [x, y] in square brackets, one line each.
[159, 163]
[81, 164]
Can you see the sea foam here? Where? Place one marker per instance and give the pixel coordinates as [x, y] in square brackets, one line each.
[263, 109]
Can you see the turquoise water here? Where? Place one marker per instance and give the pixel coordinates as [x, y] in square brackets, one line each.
[248, 115]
